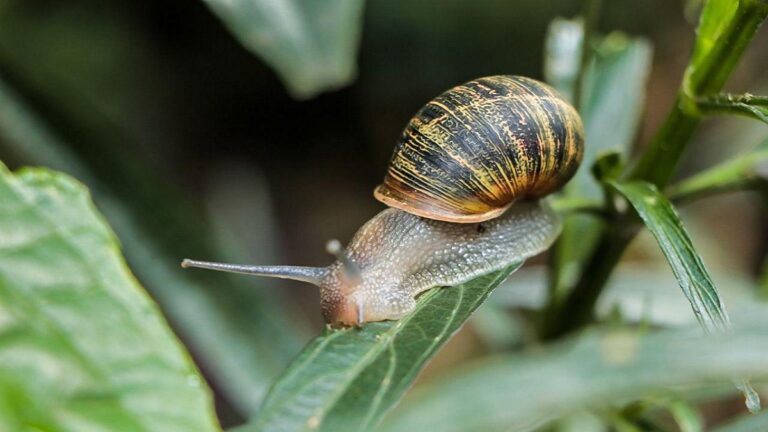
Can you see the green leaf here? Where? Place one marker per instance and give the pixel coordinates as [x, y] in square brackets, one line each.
[82, 346]
[235, 328]
[311, 44]
[664, 223]
[743, 172]
[755, 107]
[598, 370]
[687, 416]
[347, 379]
[614, 94]
[562, 54]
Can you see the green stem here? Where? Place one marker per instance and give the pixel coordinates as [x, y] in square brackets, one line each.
[578, 307]
[658, 162]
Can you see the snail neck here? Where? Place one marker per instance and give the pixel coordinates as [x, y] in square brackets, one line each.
[313, 275]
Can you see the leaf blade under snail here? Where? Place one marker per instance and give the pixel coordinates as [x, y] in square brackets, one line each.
[347, 379]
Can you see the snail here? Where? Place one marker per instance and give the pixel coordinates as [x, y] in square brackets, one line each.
[464, 186]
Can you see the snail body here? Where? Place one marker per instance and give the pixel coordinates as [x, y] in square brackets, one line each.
[464, 185]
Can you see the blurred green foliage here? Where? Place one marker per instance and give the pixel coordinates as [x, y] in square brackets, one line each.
[82, 347]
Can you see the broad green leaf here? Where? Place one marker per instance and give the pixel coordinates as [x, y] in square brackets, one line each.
[346, 380]
[613, 93]
[236, 329]
[755, 107]
[311, 44]
[82, 346]
[663, 222]
[692, 276]
[596, 371]
[746, 171]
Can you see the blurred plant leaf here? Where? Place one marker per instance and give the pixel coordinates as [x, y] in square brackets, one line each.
[599, 369]
[662, 221]
[347, 379]
[312, 45]
[641, 293]
[607, 166]
[755, 107]
[613, 94]
[237, 330]
[746, 423]
[687, 416]
[562, 54]
[746, 171]
[82, 347]
[497, 328]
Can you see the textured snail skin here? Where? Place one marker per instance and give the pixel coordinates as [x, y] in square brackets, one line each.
[399, 255]
[474, 150]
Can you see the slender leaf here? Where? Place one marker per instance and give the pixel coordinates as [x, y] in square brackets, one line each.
[82, 347]
[236, 329]
[562, 54]
[687, 416]
[664, 223]
[598, 370]
[755, 107]
[311, 44]
[347, 379]
[747, 171]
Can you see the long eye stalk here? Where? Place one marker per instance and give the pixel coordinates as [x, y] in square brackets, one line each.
[313, 275]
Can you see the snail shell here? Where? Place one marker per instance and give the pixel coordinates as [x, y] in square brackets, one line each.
[473, 151]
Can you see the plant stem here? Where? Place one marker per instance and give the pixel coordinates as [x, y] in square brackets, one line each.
[657, 165]
[578, 307]
[658, 162]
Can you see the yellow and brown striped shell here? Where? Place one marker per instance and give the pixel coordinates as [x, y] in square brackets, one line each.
[474, 150]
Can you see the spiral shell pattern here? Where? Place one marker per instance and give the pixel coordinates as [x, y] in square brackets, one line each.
[474, 150]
